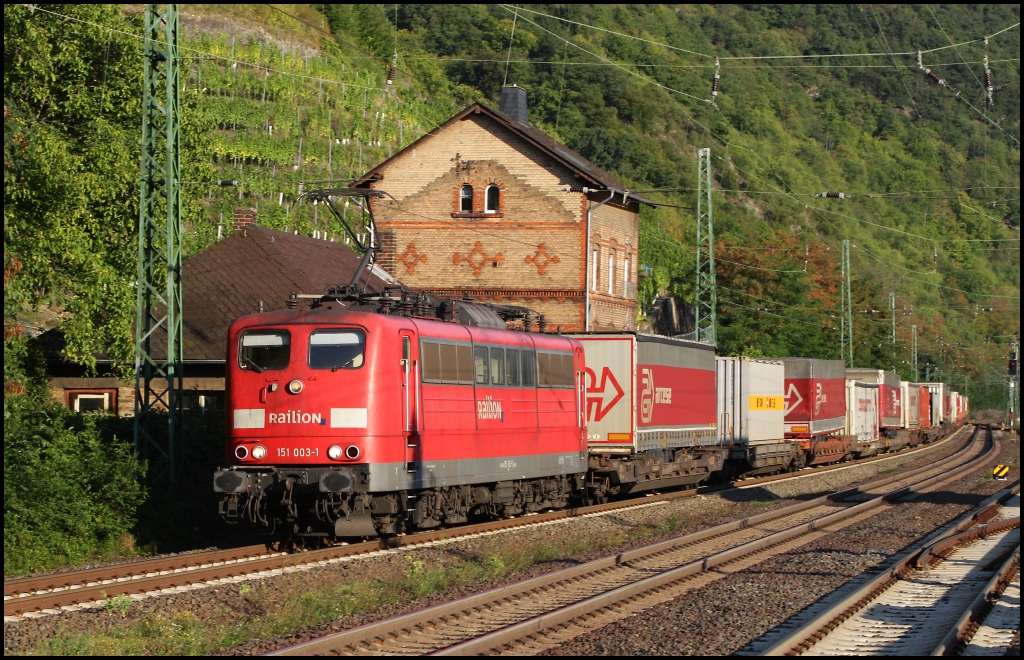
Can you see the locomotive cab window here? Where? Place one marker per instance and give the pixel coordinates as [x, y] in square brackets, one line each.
[336, 349]
[264, 349]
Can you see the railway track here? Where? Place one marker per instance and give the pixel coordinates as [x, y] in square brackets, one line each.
[935, 600]
[44, 594]
[529, 616]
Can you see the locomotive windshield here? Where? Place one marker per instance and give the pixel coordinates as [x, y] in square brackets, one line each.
[264, 349]
[336, 349]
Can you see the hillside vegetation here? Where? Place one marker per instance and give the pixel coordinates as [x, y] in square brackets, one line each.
[811, 99]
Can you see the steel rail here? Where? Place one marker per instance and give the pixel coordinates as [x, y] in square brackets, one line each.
[70, 588]
[961, 632]
[359, 637]
[792, 643]
[127, 570]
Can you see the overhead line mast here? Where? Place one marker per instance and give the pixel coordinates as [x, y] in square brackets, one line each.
[706, 295]
[158, 320]
[846, 313]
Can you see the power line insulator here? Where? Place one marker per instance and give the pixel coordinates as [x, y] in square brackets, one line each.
[833, 195]
[714, 82]
[988, 81]
[391, 69]
[934, 76]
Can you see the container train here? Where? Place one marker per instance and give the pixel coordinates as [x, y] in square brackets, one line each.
[376, 417]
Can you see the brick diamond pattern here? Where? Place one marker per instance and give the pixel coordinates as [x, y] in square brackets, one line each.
[411, 257]
[541, 259]
[477, 259]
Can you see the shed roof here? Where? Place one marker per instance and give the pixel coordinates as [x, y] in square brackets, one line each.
[256, 264]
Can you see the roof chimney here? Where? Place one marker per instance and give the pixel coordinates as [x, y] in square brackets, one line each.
[513, 104]
[244, 217]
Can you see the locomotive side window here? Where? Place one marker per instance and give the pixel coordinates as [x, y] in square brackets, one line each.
[430, 358]
[555, 370]
[449, 363]
[264, 349]
[497, 366]
[480, 365]
[336, 349]
[512, 367]
[446, 363]
[464, 358]
[529, 368]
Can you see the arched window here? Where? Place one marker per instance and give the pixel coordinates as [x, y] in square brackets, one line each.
[492, 199]
[611, 272]
[595, 268]
[625, 277]
[466, 199]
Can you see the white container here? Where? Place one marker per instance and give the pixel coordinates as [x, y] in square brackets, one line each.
[751, 401]
[890, 394]
[911, 408]
[862, 410]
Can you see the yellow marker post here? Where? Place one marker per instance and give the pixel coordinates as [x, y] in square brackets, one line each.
[999, 472]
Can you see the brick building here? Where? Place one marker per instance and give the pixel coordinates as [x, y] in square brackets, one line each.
[489, 206]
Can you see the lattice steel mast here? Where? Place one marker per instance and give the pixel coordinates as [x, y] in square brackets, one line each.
[158, 327]
[706, 295]
[846, 326]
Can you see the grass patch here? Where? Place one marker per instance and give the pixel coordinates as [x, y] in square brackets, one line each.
[268, 612]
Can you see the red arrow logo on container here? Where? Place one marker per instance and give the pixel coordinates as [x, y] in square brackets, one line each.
[596, 407]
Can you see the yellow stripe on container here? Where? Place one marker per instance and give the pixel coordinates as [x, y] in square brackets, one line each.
[758, 402]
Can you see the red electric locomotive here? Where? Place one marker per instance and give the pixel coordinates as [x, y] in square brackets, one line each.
[355, 423]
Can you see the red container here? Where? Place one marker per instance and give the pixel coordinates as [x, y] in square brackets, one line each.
[647, 392]
[815, 397]
[925, 403]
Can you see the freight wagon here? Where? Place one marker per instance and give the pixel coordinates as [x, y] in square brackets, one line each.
[816, 408]
[751, 416]
[890, 404]
[937, 396]
[862, 405]
[650, 413]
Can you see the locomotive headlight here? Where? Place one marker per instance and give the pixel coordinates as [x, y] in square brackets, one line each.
[258, 452]
[295, 386]
[241, 452]
[334, 452]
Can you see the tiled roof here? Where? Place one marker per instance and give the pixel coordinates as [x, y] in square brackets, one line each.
[230, 279]
[586, 170]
